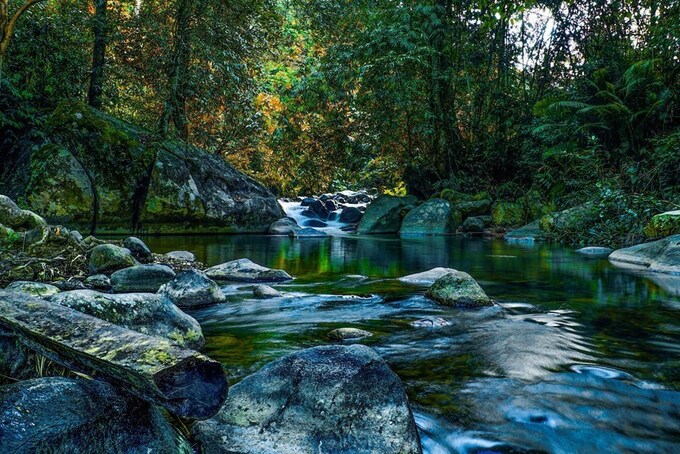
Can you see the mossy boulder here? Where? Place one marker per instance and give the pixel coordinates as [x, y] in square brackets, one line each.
[107, 258]
[192, 289]
[149, 314]
[459, 289]
[385, 214]
[13, 217]
[573, 219]
[348, 334]
[474, 208]
[141, 278]
[433, 217]
[663, 225]
[508, 214]
[38, 289]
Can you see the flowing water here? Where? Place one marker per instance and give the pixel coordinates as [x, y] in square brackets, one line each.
[578, 357]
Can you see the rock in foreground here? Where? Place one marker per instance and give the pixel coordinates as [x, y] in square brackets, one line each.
[148, 314]
[335, 399]
[662, 256]
[244, 270]
[75, 415]
[458, 289]
[192, 289]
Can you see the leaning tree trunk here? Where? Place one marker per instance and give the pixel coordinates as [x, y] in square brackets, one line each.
[175, 103]
[7, 24]
[94, 94]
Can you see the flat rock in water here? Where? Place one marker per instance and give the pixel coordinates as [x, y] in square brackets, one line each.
[245, 270]
[69, 415]
[427, 277]
[107, 258]
[283, 226]
[595, 251]
[141, 278]
[184, 256]
[146, 313]
[139, 249]
[342, 334]
[344, 399]
[458, 289]
[265, 292]
[38, 289]
[192, 289]
[661, 256]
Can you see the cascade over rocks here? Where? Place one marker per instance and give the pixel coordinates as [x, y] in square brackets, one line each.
[98, 173]
[146, 313]
[323, 399]
[58, 414]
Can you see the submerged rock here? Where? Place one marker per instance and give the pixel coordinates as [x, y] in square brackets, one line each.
[75, 415]
[141, 278]
[146, 313]
[107, 258]
[458, 289]
[661, 256]
[431, 322]
[427, 277]
[385, 213]
[309, 232]
[192, 289]
[139, 249]
[595, 251]
[342, 334]
[663, 225]
[431, 218]
[337, 399]
[38, 289]
[283, 226]
[244, 270]
[265, 292]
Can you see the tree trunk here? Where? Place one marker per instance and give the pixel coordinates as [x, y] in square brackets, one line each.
[94, 95]
[175, 103]
[185, 382]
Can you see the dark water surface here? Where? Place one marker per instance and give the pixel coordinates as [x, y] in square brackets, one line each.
[580, 356]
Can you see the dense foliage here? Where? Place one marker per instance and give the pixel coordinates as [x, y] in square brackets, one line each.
[569, 98]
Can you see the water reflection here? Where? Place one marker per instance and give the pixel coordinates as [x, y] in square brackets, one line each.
[579, 356]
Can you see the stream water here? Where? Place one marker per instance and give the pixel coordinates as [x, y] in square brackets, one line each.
[579, 357]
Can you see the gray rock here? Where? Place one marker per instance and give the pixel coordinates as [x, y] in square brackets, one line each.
[283, 226]
[458, 289]
[527, 234]
[595, 251]
[431, 218]
[309, 232]
[77, 236]
[350, 215]
[184, 256]
[244, 270]
[335, 399]
[139, 249]
[98, 281]
[38, 289]
[431, 322]
[17, 219]
[473, 224]
[661, 256]
[385, 213]
[192, 289]
[343, 334]
[427, 277]
[75, 415]
[141, 278]
[149, 314]
[265, 292]
[107, 258]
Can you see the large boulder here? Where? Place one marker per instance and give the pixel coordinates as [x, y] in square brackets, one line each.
[337, 399]
[283, 226]
[107, 258]
[101, 174]
[245, 270]
[75, 415]
[431, 218]
[385, 213]
[459, 289]
[149, 314]
[661, 256]
[141, 278]
[663, 225]
[192, 289]
[38, 289]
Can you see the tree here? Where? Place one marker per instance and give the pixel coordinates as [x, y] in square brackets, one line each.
[94, 95]
[8, 22]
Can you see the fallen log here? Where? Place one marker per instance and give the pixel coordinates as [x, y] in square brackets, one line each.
[185, 382]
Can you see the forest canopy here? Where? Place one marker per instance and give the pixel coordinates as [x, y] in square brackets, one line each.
[565, 97]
